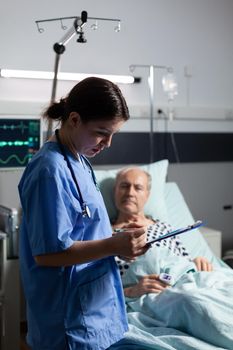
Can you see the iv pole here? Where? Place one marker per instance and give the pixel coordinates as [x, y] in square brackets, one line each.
[60, 46]
[151, 85]
[59, 49]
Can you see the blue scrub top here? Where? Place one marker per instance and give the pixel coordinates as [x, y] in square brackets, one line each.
[77, 307]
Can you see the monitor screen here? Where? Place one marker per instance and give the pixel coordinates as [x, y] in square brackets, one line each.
[20, 138]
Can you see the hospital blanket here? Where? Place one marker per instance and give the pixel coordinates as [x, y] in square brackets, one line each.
[195, 313]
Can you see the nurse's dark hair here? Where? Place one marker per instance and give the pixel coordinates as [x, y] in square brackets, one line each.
[93, 99]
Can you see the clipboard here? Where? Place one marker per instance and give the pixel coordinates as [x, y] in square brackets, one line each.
[178, 232]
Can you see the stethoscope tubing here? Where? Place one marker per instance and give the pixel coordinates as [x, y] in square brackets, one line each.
[85, 209]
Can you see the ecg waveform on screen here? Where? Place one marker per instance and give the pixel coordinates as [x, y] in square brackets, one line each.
[24, 161]
[22, 126]
[13, 143]
[19, 141]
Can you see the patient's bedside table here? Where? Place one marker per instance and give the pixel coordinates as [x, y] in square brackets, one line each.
[213, 239]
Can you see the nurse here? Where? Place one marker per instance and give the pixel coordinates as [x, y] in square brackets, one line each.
[71, 283]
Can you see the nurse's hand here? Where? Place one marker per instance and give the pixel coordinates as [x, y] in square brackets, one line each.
[130, 243]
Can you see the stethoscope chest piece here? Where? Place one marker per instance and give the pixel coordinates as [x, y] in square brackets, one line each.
[86, 211]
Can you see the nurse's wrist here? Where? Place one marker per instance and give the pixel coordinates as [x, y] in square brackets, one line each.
[111, 246]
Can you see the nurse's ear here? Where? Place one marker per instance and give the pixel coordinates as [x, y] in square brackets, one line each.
[74, 119]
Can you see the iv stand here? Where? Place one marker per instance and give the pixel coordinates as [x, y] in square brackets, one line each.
[59, 49]
[151, 85]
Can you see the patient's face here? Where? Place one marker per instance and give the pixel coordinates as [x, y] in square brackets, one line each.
[131, 192]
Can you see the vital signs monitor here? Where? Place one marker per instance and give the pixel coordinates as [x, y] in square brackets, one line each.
[20, 138]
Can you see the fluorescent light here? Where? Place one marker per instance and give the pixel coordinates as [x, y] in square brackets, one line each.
[11, 73]
[27, 74]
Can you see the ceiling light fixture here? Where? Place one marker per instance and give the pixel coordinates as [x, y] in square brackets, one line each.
[30, 74]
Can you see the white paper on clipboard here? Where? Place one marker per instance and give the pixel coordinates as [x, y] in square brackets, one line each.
[178, 232]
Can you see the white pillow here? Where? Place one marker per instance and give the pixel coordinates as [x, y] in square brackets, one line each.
[155, 205]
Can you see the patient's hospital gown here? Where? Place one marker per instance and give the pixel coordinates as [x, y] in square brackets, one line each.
[156, 230]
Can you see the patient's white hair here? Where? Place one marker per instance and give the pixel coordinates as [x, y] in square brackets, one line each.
[126, 170]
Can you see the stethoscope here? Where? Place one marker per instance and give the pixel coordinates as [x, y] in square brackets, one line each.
[85, 209]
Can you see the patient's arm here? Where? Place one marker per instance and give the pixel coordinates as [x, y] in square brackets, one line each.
[147, 284]
[203, 264]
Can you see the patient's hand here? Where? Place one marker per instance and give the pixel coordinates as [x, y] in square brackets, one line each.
[203, 264]
[147, 284]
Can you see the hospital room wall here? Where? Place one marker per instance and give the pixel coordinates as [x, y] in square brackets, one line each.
[195, 37]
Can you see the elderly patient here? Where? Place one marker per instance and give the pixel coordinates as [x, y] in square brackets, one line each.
[196, 308]
[132, 189]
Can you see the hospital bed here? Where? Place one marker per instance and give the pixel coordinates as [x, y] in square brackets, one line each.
[167, 203]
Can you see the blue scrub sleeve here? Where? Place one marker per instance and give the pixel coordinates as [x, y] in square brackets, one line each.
[50, 216]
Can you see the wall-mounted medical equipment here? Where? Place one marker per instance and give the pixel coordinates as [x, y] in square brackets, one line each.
[20, 138]
[9, 227]
[9, 279]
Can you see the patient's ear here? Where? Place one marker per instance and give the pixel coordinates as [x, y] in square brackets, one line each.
[148, 195]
